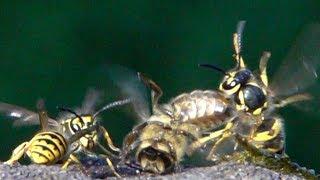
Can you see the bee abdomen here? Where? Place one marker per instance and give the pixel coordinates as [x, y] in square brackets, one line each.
[210, 105]
[47, 148]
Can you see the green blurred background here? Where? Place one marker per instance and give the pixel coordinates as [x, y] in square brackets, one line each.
[52, 50]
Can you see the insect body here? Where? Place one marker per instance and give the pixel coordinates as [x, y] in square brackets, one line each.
[162, 140]
[85, 117]
[256, 100]
[72, 123]
[48, 146]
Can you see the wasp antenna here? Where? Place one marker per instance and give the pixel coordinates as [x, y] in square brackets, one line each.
[70, 111]
[237, 43]
[111, 105]
[240, 28]
[211, 66]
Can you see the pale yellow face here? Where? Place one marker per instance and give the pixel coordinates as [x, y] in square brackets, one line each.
[76, 124]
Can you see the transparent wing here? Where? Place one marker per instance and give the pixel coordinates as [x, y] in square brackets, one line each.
[299, 69]
[92, 99]
[131, 87]
[22, 116]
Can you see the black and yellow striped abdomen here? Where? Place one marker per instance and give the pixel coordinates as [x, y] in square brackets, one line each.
[47, 148]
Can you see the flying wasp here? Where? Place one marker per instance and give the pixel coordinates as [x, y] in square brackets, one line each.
[161, 140]
[256, 100]
[72, 122]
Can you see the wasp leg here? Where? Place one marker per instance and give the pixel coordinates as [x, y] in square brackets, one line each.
[112, 167]
[156, 91]
[109, 141]
[293, 99]
[223, 148]
[72, 158]
[17, 153]
[110, 164]
[212, 136]
[105, 150]
[263, 67]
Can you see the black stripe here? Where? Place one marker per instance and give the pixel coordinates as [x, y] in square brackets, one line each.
[47, 149]
[40, 154]
[50, 141]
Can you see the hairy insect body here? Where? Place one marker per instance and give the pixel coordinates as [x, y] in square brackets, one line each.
[47, 147]
[161, 142]
[44, 148]
[206, 109]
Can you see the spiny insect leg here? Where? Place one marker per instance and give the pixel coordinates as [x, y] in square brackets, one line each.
[108, 139]
[293, 99]
[17, 153]
[212, 136]
[110, 164]
[225, 146]
[72, 158]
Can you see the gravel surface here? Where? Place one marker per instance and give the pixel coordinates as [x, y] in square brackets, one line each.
[222, 171]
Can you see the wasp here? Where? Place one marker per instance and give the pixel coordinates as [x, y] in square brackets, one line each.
[159, 143]
[256, 101]
[71, 122]
[51, 144]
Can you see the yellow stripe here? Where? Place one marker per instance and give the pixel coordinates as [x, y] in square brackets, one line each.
[57, 139]
[265, 136]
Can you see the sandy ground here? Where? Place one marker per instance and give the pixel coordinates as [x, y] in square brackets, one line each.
[221, 171]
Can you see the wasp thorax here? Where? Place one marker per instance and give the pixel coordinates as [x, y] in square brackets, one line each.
[155, 161]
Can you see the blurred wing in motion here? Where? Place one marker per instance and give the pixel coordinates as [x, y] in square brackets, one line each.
[92, 99]
[131, 87]
[22, 116]
[299, 69]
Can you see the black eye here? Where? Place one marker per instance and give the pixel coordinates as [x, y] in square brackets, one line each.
[243, 76]
[254, 97]
[75, 128]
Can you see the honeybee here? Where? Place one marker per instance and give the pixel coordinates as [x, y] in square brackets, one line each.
[71, 122]
[257, 123]
[51, 144]
[161, 140]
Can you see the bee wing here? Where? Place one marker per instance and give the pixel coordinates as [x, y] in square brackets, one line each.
[132, 87]
[22, 116]
[299, 69]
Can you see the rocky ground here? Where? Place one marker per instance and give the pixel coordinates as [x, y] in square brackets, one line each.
[222, 171]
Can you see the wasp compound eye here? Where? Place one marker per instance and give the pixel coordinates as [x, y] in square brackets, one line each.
[75, 128]
[253, 96]
[242, 76]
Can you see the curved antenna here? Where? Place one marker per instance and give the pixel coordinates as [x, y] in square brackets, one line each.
[211, 66]
[70, 111]
[111, 105]
[237, 43]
